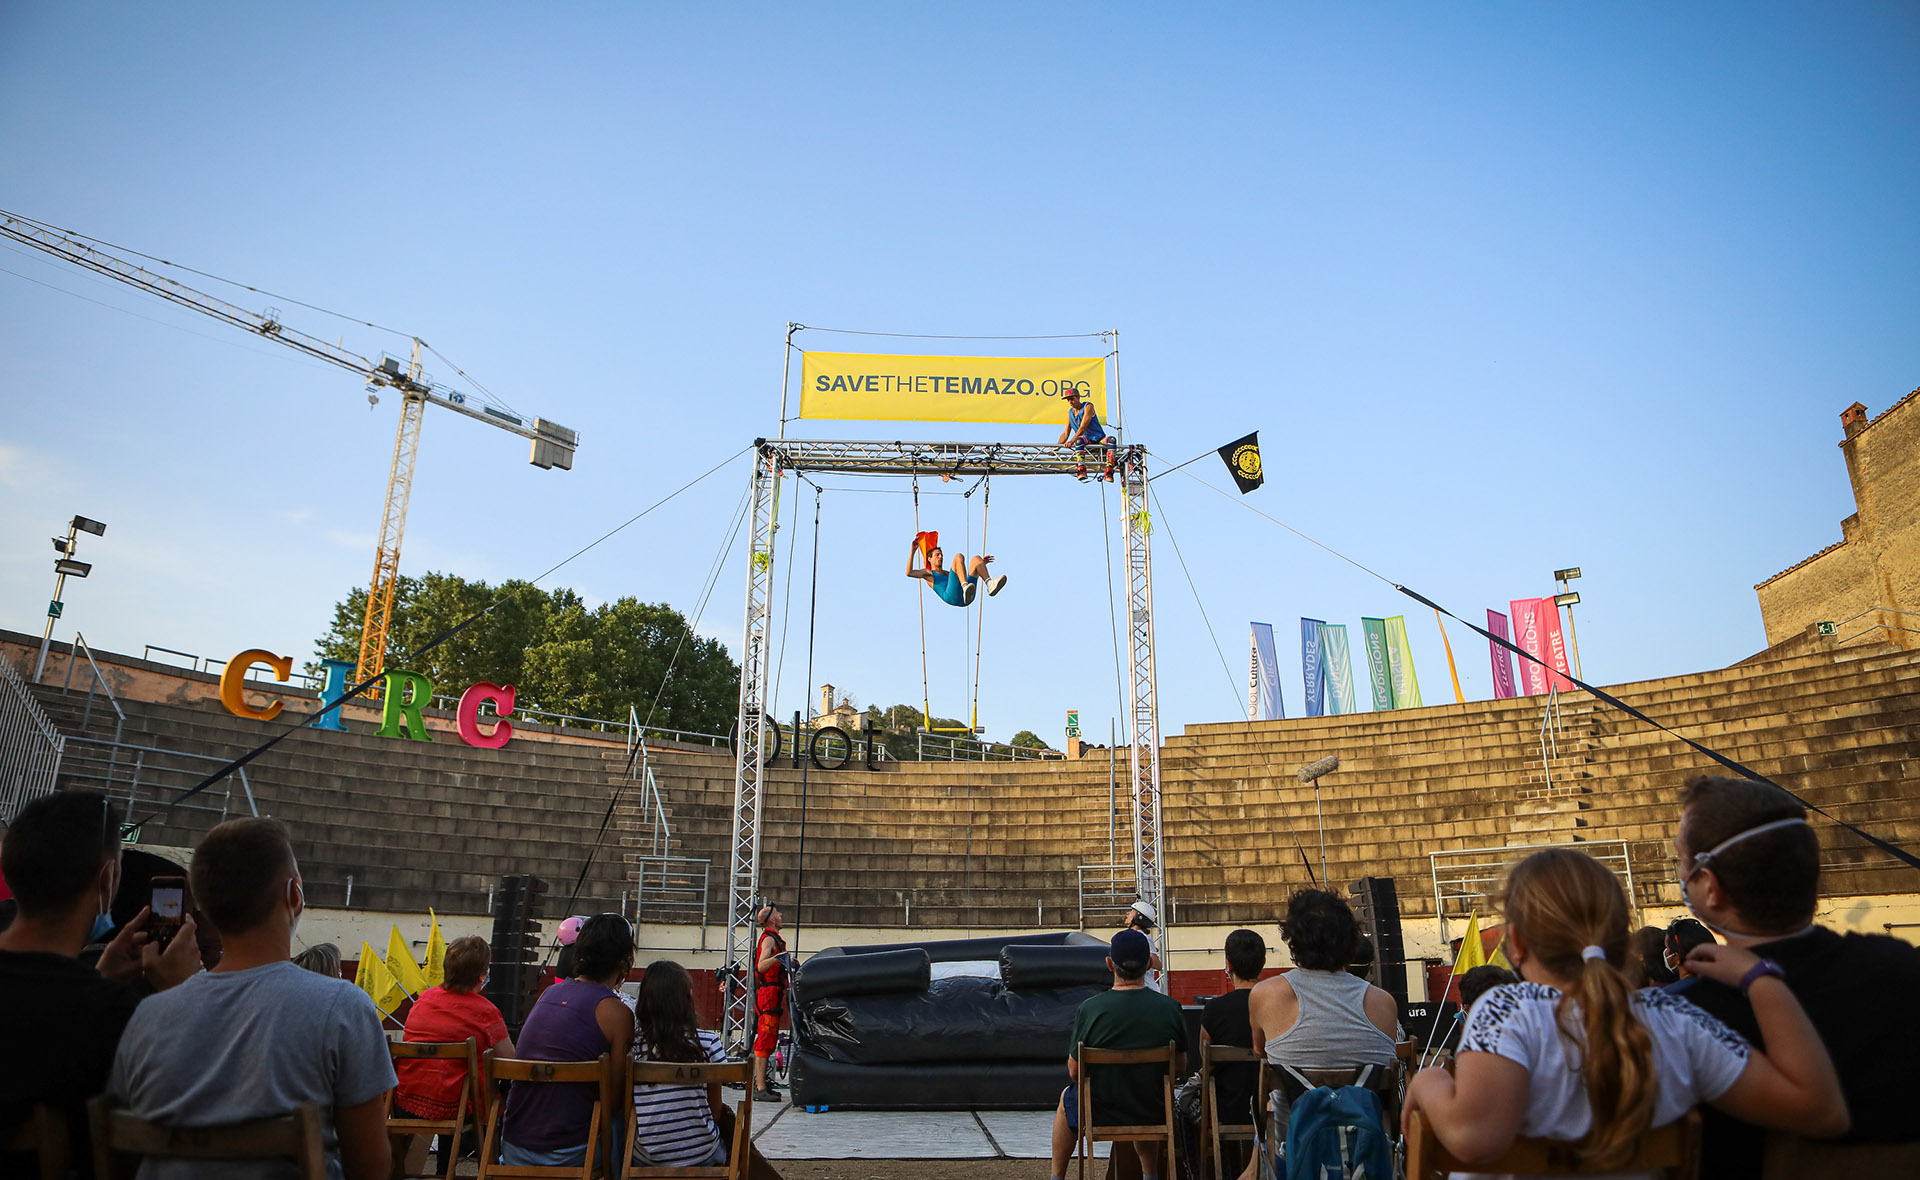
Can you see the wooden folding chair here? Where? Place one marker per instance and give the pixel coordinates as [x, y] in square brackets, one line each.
[402, 1130]
[1090, 1059]
[702, 1074]
[1674, 1148]
[1216, 1129]
[1789, 1157]
[45, 1135]
[118, 1134]
[600, 1072]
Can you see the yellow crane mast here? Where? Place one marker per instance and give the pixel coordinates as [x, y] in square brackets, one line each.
[553, 444]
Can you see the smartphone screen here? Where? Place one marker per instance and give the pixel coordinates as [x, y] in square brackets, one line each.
[168, 903]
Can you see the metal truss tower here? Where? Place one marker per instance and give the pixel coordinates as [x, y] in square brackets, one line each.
[775, 456]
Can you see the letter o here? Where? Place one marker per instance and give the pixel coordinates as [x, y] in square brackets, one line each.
[1049, 387]
[1026, 386]
[813, 747]
[768, 723]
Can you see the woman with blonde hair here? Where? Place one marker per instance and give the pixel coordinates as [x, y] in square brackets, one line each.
[1574, 1053]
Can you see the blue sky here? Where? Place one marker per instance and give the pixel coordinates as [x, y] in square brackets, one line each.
[1504, 288]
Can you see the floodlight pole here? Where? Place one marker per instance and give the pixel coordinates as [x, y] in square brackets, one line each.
[773, 456]
[59, 587]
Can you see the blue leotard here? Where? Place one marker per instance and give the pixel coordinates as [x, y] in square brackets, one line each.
[951, 587]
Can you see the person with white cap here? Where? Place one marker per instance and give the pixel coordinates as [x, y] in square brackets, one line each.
[1143, 917]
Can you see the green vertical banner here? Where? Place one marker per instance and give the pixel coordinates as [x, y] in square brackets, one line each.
[1374, 632]
[1406, 686]
[1335, 659]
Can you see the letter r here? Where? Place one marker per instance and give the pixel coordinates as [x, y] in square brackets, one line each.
[402, 716]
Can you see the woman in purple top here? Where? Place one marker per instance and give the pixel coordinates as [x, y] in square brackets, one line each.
[576, 1019]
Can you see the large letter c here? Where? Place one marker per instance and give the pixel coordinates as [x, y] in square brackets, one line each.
[233, 682]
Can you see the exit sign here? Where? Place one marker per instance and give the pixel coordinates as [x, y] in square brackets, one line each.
[1073, 723]
[54, 608]
[1822, 628]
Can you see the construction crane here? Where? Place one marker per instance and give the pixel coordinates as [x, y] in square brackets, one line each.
[553, 444]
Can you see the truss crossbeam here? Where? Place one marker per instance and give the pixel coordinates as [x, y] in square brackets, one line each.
[934, 458]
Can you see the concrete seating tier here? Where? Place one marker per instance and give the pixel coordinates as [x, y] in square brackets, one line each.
[997, 845]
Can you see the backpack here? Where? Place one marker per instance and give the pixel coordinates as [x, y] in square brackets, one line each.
[1337, 1133]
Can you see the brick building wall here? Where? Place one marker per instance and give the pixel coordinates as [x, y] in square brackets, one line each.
[1871, 575]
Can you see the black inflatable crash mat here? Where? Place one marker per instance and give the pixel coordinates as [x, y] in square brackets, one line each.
[954, 1020]
[906, 970]
[1029, 968]
[963, 950]
[967, 1085]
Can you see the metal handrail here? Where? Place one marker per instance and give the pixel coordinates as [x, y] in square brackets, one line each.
[1112, 898]
[147, 650]
[31, 746]
[138, 766]
[986, 749]
[100, 679]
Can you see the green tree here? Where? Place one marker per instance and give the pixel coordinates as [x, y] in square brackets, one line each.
[561, 657]
[1026, 739]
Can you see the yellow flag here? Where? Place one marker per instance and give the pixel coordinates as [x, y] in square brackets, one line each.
[1499, 956]
[374, 979]
[436, 971]
[406, 973]
[1472, 954]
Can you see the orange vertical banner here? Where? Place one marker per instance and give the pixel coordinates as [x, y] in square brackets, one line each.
[1459, 698]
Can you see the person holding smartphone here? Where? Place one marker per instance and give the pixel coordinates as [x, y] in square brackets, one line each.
[61, 857]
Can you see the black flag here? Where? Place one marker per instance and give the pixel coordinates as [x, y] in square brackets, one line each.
[1242, 457]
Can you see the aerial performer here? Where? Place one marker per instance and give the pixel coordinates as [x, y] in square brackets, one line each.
[1084, 431]
[955, 586]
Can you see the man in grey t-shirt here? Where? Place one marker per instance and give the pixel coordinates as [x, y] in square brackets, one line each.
[258, 1035]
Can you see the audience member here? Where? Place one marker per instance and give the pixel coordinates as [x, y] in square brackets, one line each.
[1646, 959]
[1750, 871]
[1575, 1053]
[322, 958]
[60, 1021]
[1224, 1021]
[1681, 937]
[450, 1012]
[1128, 1016]
[575, 1019]
[1141, 916]
[769, 998]
[564, 938]
[680, 1126]
[1478, 981]
[1317, 1014]
[257, 1035]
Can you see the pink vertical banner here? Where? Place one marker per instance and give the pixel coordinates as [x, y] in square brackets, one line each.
[1503, 686]
[1529, 638]
[1555, 643]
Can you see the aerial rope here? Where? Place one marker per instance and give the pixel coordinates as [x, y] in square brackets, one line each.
[813, 608]
[979, 634]
[926, 692]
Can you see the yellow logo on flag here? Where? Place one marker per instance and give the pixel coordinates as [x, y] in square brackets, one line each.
[1246, 461]
[406, 973]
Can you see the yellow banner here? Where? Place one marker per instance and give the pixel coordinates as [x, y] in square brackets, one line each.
[1021, 389]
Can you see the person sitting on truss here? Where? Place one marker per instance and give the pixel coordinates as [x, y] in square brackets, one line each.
[955, 586]
[1084, 431]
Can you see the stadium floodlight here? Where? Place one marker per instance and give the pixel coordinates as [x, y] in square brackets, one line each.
[1566, 575]
[1567, 599]
[64, 567]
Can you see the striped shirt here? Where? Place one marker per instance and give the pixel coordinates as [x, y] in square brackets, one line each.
[673, 1125]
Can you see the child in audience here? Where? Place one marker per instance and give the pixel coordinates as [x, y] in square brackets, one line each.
[679, 1126]
[1575, 1053]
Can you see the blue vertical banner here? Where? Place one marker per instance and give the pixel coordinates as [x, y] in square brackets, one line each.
[1373, 632]
[1338, 669]
[1312, 670]
[1264, 702]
